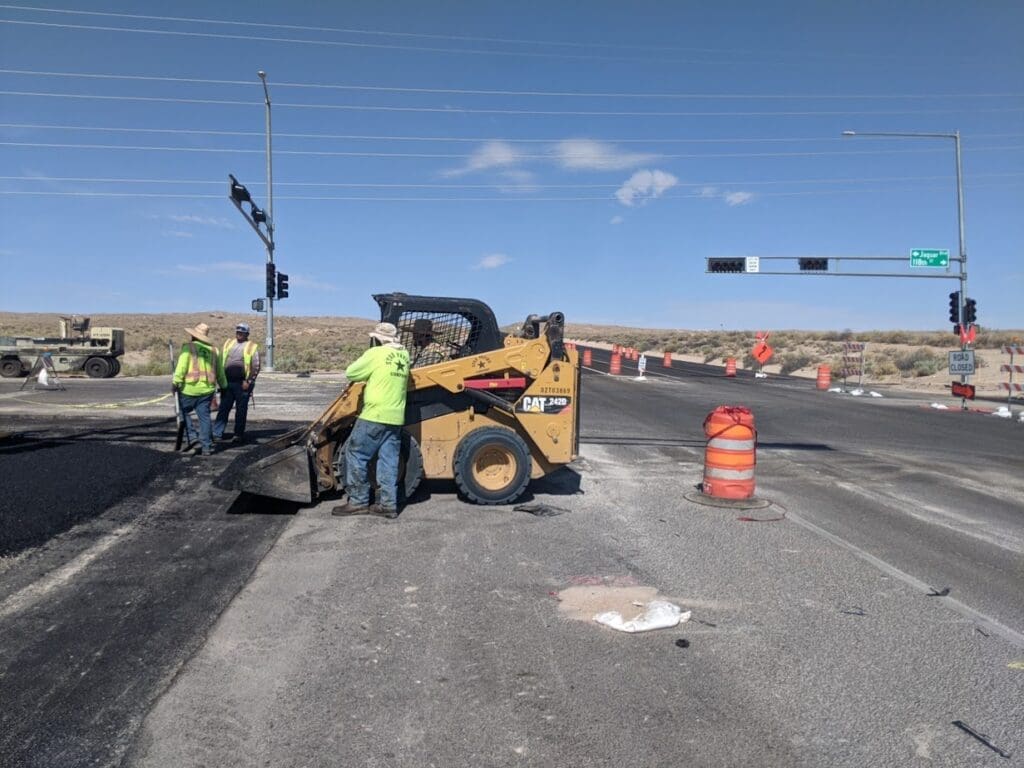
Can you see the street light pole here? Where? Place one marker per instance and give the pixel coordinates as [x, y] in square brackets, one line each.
[955, 136]
[270, 224]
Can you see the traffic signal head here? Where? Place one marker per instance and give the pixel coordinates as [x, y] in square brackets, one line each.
[954, 307]
[970, 311]
[282, 285]
[813, 265]
[271, 272]
[238, 191]
[726, 265]
[258, 215]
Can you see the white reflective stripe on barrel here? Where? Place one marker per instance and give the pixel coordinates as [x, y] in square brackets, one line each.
[730, 444]
[729, 474]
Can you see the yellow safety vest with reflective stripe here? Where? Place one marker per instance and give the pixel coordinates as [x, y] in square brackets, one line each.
[247, 353]
[198, 371]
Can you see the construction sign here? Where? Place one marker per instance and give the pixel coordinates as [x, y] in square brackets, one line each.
[762, 352]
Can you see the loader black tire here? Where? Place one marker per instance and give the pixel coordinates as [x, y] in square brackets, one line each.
[97, 368]
[410, 468]
[115, 367]
[10, 368]
[492, 466]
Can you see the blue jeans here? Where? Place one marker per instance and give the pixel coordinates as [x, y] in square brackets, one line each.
[235, 396]
[369, 438]
[201, 405]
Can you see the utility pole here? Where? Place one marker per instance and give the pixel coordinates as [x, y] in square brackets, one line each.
[270, 225]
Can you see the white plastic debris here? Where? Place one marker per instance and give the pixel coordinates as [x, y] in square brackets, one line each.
[875, 394]
[658, 615]
[760, 375]
[940, 406]
[1003, 412]
[836, 389]
[43, 378]
[856, 392]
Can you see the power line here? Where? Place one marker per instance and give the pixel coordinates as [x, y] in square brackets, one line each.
[497, 92]
[377, 185]
[466, 139]
[830, 54]
[344, 44]
[454, 156]
[506, 199]
[536, 112]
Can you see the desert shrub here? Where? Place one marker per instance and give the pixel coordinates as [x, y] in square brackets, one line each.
[919, 362]
[794, 361]
[881, 366]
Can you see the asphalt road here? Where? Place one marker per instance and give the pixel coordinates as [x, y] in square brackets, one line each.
[176, 629]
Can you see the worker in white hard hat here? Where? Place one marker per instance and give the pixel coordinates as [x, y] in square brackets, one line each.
[241, 360]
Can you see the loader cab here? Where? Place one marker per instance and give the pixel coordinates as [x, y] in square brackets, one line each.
[436, 329]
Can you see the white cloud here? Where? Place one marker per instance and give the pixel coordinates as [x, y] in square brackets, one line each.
[493, 154]
[738, 198]
[616, 220]
[242, 269]
[587, 154]
[707, 192]
[191, 218]
[645, 185]
[492, 261]
[176, 233]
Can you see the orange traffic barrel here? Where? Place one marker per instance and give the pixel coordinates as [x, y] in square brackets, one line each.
[730, 366]
[615, 367]
[634, 354]
[667, 362]
[824, 376]
[588, 357]
[730, 455]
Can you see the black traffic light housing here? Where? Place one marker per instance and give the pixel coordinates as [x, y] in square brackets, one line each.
[282, 285]
[238, 191]
[970, 311]
[727, 265]
[813, 265]
[271, 273]
[954, 307]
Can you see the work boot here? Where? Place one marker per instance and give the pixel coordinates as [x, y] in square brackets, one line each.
[348, 508]
[385, 512]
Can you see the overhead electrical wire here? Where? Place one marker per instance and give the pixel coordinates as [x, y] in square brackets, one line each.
[465, 139]
[497, 92]
[377, 185]
[454, 156]
[551, 112]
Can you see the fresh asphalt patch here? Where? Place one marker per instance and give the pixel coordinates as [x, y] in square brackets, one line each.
[96, 622]
[50, 484]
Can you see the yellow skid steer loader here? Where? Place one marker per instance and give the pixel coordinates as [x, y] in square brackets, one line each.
[487, 410]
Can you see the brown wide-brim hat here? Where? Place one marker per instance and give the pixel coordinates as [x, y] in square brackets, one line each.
[201, 332]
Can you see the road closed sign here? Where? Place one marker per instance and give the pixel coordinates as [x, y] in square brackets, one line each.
[961, 362]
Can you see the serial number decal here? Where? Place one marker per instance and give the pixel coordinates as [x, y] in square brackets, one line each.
[533, 404]
[553, 391]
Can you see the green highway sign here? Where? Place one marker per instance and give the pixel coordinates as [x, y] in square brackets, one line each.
[929, 257]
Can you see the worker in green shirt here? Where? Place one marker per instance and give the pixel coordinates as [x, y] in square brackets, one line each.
[378, 430]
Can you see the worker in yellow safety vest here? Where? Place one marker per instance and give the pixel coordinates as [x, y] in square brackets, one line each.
[241, 360]
[197, 377]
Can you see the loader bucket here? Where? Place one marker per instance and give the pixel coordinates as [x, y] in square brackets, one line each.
[285, 474]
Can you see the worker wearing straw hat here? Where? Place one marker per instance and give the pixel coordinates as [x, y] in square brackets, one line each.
[197, 376]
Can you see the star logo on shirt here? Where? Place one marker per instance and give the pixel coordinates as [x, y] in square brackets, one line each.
[400, 366]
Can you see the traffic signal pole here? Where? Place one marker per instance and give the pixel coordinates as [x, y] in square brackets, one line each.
[270, 225]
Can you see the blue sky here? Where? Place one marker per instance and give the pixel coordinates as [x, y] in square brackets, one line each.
[585, 157]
